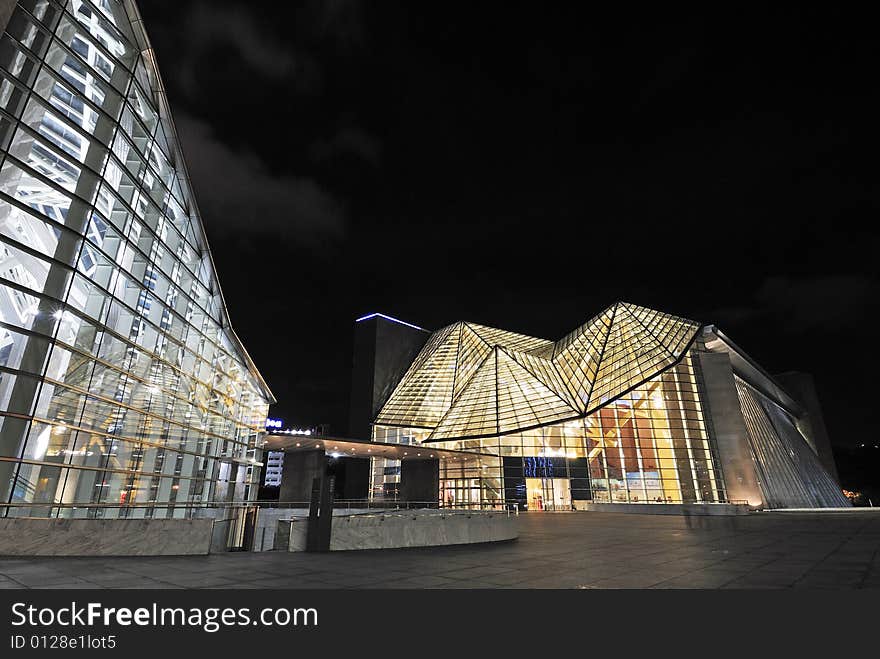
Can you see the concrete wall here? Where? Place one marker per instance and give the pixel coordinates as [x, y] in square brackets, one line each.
[420, 480]
[724, 416]
[300, 469]
[351, 477]
[398, 530]
[24, 536]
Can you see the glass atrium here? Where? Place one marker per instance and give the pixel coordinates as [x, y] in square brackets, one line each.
[123, 389]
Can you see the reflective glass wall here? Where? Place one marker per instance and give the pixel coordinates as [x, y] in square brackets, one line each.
[121, 383]
[648, 446]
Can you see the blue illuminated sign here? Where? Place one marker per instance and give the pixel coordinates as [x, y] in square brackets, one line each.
[274, 423]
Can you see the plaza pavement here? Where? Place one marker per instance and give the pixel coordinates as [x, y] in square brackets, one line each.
[562, 550]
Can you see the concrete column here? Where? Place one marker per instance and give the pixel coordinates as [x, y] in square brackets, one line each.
[299, 470]
[724, 416]
[352, 477]
[420, 480]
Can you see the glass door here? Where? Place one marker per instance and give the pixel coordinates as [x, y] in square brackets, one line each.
[549, 493]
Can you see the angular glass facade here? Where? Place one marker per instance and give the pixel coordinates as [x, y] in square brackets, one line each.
[615, 412]
[649, 445]
[123, 389]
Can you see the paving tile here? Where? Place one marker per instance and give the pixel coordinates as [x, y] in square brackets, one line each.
[588, 550]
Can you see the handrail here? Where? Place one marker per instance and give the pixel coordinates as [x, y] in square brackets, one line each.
[363, 504]
[193, 508]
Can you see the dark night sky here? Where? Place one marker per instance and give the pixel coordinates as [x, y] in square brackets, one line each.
[524, 166]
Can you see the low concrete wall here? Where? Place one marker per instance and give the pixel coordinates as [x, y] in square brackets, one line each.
[267, 523]
[404, 529]
[25, 536]
[668, 508]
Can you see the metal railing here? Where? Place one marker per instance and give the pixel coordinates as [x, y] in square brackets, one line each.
[193, 509]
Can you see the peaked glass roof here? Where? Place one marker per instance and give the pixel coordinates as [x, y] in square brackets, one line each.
[476, 381]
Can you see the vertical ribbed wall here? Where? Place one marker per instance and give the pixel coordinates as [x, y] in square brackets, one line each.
[790, 473]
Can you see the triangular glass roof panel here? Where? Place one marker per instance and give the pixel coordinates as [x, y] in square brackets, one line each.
[472, 351]
[512, 340]
[425, 392]
[524, 401]
[673, 332]
[546, 372]
[631, 355]
[577, 355]
[475, 412]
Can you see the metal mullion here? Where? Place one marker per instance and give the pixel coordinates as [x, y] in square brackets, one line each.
[90, 431]
[113, 402]
[45, 180]
[73, 91]
[111, 470]
[114, 367]
[140, 284]
[95, 43]
[58, 151]
[107, 21]
[653, 336]
[602, 356]
[107, 330]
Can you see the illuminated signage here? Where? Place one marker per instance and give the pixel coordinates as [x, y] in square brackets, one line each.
[274, 423]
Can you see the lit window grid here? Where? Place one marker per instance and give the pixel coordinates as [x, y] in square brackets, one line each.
[143, 378]
[152, 176]
[658, 428]
[671, 439]
[251, 442]
[140, 260]
[467, 482]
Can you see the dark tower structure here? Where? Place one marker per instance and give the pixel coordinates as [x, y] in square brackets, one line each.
[384, 348]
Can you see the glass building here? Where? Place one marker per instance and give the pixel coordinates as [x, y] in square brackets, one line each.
[123, 389]
[634, 406]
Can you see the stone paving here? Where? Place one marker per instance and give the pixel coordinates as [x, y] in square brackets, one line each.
[564, 550]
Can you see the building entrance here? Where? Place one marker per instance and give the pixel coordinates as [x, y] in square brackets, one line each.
[549, 493]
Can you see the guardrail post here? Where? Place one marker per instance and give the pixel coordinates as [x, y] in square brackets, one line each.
[320, 514]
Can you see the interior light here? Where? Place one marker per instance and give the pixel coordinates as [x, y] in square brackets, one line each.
[42, 444]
